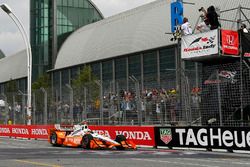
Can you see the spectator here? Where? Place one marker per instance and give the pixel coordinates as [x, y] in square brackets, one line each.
[244, 28]
[186, 27]
[9, 122]
[212, 17]
[204, 25]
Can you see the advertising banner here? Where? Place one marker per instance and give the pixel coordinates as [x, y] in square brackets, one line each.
[204, 137]
[24, 131]
[199, 45]
[230, 42]
[139, 134]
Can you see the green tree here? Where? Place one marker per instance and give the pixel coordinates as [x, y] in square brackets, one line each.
[38, 96]
[85, 80]
[41, 82]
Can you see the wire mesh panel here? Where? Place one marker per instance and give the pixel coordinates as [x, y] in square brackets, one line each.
[225, 94]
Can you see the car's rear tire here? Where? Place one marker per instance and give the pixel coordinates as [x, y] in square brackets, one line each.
[119, 139]
[86, 139]
[53, 139]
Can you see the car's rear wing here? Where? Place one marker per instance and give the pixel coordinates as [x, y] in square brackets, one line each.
[64, 127]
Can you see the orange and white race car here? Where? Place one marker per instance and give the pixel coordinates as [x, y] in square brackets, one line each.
[82, 136]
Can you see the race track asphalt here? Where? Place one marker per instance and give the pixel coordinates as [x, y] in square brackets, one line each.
[35, 153]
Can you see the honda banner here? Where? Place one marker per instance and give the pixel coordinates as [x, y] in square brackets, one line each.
[204, 137]
[199, 45]
[23, 131]
[230, 42]
[139, 134]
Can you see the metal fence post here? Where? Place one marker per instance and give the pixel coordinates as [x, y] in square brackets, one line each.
[85, 104]
[219, 98]
[57, 107]
[71, 102]
[137, 89]
[99, 83]
[34, 108]
[45, 109]
[6, 108]
[23, 109]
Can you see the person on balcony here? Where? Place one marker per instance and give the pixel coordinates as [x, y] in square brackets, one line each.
[211, 17]
[244, 28]
[186, 27]
[203, 26]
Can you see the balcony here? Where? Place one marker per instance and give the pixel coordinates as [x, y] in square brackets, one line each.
[214, 45]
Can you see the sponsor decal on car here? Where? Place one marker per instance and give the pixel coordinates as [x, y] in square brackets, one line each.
[166, 135]
[76, 140]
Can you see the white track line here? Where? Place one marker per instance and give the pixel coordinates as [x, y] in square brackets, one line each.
[173, 162]
[216, 161]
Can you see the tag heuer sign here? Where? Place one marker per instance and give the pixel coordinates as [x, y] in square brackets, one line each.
[166, 135]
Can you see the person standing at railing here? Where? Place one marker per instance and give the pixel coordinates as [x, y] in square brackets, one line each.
[204, 25]
[9, 122]
[211, 17]
[186, 27]
[244, 29]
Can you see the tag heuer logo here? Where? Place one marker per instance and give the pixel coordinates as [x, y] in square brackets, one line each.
[166, 135]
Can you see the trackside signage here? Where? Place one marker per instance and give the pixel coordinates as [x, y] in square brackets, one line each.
[140, 135]
[204, 137]
[199, 45]
[23, 131]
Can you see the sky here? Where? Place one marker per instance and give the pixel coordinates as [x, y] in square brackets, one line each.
[10, 38]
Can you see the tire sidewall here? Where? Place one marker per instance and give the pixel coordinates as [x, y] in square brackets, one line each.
[53, 139]
[86, 141]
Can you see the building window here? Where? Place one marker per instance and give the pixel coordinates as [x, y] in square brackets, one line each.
[150, 69]
[96, 70]
[134, 66]
[120, 68]
[167, 67]
[107, 71]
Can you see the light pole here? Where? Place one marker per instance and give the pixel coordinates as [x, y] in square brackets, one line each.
[18, 23]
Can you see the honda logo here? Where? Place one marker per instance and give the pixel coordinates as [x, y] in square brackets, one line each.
[230, 39]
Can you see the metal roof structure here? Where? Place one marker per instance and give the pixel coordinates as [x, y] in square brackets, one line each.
[13, 67]
[2, 55]
[139, 29]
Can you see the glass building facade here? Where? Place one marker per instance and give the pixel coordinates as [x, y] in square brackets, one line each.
[51, 22]
[153, 69]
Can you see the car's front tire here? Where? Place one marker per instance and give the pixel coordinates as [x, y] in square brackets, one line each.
[86, 139]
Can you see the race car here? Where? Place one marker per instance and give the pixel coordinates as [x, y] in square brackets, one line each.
[82, 136]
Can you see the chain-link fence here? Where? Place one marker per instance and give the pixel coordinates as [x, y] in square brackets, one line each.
[226, 94]
[218, 95]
